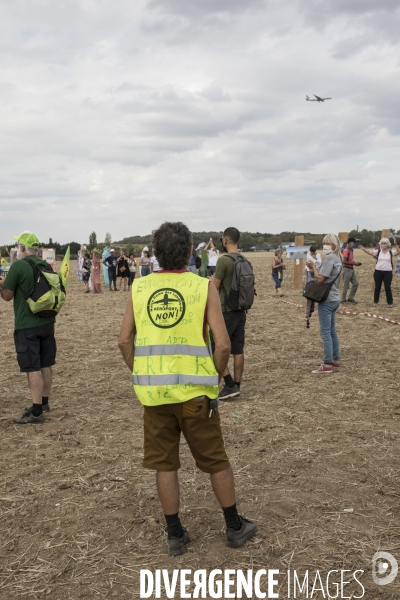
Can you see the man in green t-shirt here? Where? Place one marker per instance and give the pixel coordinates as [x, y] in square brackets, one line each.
[33, 335]
[235, 321]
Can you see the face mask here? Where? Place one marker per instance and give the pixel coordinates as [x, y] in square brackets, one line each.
[327, 249]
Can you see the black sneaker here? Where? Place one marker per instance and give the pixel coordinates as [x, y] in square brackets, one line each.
[176, 545]
[236, 538]
[29, 419]
[352, 300]
[229, 392]
[28, 409]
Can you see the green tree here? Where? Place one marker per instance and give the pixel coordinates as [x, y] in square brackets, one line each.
[92, 240]
[246, 241]
[107, 239]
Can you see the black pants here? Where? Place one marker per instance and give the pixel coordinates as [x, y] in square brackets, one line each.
[386, 277]
[132, 275]
[112, 276]
[210, 271]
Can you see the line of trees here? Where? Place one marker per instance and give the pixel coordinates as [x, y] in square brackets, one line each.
[262, 241]
[248, 240]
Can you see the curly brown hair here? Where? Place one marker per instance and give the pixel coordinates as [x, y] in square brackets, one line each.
[172, 243]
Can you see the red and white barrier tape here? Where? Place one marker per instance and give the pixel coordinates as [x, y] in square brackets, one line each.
[345, 312]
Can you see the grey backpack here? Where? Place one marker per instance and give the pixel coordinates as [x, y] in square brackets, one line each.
[242, 292]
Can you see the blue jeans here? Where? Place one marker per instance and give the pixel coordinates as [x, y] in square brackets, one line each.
[327, 322]
[309, 276]
[275, 277]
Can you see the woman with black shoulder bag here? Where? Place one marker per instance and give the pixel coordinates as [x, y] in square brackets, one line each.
[328, 275]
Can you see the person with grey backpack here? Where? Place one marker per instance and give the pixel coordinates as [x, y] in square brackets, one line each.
[234, 280]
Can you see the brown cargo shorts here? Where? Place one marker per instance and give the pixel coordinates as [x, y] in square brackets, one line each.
[162, 430]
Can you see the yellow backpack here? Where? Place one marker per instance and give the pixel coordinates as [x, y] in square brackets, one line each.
[49, 293]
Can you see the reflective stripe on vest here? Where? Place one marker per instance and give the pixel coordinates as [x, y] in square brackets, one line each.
[173, 361]
[174, 379]
[163, 350]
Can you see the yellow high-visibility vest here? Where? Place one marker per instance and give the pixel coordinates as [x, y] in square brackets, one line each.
[173, 358]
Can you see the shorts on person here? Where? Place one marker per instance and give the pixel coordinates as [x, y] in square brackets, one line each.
[235, 322]
[163, 425]
[36, 348]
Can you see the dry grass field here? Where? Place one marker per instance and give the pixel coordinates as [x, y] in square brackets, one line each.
[316, 458]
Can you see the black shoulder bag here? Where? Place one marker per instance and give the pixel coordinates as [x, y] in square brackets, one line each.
[318, 292]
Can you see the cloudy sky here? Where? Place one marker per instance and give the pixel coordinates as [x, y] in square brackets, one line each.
[116, 116]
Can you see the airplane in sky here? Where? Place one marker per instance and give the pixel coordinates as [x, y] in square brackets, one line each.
[317, 99]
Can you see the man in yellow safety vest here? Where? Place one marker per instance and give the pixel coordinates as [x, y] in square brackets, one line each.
[165, 342]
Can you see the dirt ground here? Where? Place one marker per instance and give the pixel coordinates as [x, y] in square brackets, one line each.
[316, 458]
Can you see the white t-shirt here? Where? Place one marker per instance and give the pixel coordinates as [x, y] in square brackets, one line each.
[213, 256]
[384, 262]
[317, 260]
[156, 266]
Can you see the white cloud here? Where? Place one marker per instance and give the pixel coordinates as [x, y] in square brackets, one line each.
[117, 117]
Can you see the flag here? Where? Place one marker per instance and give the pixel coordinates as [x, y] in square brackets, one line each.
[64, 269]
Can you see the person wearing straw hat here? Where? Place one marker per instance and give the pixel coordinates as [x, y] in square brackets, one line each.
[33, 335]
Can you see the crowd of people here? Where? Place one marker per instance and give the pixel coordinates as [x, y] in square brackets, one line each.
[383, 272]
[120, 271]
[180, 390]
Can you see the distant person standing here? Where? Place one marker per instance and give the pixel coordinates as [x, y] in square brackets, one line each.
[235, 320]
[33, 335]
[315, 257]
[213, 255]
[329, 272]
[384, 268]
[111, 264]
[132, 269]
[192, 261]
[122, 269]
[278, 265]
[85, 270]
[106, 253]
[81, 258]
[145, 263]
[349, 274]
[96, 262]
